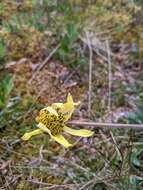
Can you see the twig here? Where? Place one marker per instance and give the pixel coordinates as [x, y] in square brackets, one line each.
[71, 74]
[109, 96]
[74, 164]
[106, 125]
[69, 186]
[86, 185]
[90, 74]
[97, 47]
[40, 154]
[109, 75]
[44, 62]
[97, 179]
[51, 185]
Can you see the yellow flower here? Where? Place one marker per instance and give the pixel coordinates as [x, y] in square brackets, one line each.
[52, 121]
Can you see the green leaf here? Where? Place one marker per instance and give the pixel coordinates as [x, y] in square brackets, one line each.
[6, 87]
[2, 50]
[135, 180]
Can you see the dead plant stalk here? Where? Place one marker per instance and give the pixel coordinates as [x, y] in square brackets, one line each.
[106, 125]
[90, 74]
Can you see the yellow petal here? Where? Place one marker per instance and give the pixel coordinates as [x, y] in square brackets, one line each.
[76, 103]
[68, 108]
[27, 136]
[59, 138]
[44, 128]
[78, 132]
[57, 105]
[51, 110]
[69, 98]
[60, 105]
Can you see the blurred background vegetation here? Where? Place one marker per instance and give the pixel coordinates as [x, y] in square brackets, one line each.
[44, 54]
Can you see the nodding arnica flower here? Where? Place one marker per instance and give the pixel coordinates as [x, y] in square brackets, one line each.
[52, 120]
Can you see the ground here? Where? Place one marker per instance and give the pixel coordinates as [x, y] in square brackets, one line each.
[111, 159]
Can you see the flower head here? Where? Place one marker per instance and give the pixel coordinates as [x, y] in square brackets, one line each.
[52, 121]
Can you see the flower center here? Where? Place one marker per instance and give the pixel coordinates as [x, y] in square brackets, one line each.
[52, 122]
